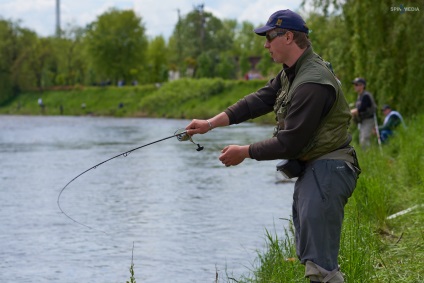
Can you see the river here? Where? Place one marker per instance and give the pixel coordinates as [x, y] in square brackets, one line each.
[178, 214]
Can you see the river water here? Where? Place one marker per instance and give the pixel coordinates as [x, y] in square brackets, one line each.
[178, 214]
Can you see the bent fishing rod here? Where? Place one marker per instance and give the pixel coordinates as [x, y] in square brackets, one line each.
[180, 134]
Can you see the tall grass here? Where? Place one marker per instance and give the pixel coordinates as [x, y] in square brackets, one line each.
[279, 262]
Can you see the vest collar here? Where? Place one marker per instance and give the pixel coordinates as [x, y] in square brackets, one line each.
[306, 54]
[292, 71]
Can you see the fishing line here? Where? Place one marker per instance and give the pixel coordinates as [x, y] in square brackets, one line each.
[180, 134]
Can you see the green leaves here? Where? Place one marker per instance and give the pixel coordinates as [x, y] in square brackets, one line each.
[117, 45]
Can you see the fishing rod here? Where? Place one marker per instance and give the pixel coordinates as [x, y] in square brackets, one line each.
[180, 134]
[377, 132]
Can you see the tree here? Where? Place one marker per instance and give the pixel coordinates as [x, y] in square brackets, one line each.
[250, 45]
[7, 56]
[69, 50]
[220, 58]
[13, 41]
[117, 46]
[202, 34]
[35, 58]
[157, 60]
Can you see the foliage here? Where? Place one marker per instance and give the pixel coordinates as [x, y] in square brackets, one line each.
[7, 54]
[14, 48]
[198, 41]
[117, 45]
[69, 52]
[157, 60]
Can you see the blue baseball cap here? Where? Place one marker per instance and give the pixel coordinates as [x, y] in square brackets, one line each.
[385, 106]
[359, 81]
[285, 19]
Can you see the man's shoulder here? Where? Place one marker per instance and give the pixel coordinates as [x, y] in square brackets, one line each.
[315, 70]
[393, 115]
[368, 96]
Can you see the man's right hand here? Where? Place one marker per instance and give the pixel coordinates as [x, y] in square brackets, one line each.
[204, 126]
[198, 127]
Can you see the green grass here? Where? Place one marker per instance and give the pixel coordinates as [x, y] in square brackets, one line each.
[185, 98]
[98, 101]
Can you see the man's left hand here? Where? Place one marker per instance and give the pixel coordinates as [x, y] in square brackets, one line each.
[233, 155]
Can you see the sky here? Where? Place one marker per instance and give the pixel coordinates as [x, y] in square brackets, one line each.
[158, 16]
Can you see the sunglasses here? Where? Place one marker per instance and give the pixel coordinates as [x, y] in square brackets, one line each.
[273, 34]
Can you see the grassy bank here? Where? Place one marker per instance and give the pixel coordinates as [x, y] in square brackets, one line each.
[184, 98]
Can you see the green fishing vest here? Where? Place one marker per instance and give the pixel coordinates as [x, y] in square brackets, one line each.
[332, 133]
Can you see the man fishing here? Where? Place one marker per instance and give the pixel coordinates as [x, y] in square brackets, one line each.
[312, 134]
[392, 119]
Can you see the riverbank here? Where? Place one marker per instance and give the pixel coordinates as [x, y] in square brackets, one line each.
[184, 98]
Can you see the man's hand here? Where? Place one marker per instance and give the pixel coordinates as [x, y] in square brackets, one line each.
[234, 154]
[204, 126]
[198, 127]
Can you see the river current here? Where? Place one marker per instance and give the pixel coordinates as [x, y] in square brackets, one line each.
[178, 214]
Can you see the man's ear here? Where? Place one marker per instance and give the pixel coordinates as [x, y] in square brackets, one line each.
[289, 36]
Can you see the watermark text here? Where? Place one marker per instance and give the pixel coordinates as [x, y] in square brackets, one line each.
[402, 9]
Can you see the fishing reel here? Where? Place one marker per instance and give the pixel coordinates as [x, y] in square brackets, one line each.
[182, 135]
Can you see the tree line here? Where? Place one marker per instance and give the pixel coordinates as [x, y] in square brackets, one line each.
[114, 49]
[375, 40]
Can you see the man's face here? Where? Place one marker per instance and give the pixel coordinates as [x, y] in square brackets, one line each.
[275, 45]
[359, 88]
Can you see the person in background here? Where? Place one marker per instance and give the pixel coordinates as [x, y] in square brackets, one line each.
[364, 112]
[311, 133]
[391, 121]
[41, 104]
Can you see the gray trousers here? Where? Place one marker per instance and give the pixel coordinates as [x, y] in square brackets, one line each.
[320, 195]
[365, 132]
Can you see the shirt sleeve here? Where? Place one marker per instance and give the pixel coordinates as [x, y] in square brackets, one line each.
[255, 104]
[310, 104]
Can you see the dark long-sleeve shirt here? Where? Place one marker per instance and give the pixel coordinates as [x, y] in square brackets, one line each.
[311, 102]
[364, 102]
